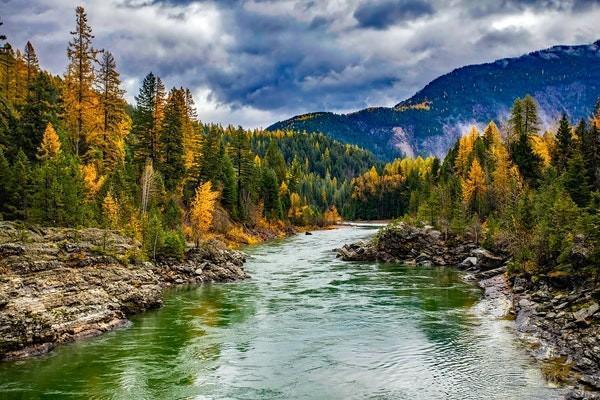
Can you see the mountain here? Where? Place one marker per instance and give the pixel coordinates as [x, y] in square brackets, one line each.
[561, 78]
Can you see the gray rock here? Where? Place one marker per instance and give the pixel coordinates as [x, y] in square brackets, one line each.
[587, 312]
[468, 262]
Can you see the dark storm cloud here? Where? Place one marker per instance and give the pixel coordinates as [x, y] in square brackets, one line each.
[383, 13]
[257, 61]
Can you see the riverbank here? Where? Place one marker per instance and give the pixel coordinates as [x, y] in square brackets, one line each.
[561, 326]
[58, 285]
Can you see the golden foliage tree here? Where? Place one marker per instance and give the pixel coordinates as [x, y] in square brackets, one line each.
[110, 208]
[92, 180]
[50, 146]
[202, 210]
[106, 144]
[80, 99]
[474, 187]
[465, 147]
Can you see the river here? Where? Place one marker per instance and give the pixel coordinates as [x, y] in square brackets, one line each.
[306, 326]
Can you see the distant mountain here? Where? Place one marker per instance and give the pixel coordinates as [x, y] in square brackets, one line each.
[561, 78]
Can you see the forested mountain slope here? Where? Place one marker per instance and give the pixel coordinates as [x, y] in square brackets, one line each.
[561, 78]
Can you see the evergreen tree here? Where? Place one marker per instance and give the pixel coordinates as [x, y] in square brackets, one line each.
[531, 121]
[57, 200]
[524, 122]
[272, 204]
[274, 160]
[228, 182]
[589, 140]
[145, 130]
[20, 187]
[242, 157]
[210, 164]
[576, 181]
[32, 65]
[171, 140]
[108, 143]
[5, 185]
[564, 144]
[42, 107]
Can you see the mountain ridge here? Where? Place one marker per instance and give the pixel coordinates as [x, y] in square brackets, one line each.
[563, 78]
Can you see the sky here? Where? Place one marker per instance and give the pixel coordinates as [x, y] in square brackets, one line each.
[255, 62]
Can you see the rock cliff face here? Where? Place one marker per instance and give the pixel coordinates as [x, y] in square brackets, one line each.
[562, 325]
[58, 285]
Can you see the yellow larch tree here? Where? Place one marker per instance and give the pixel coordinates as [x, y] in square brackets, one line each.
[106, 143]
[202, 210]
[110, 209]
[465, 147]
[295, 211]
[92, 180]
[80, 99]
[474, 187]
[50, 146]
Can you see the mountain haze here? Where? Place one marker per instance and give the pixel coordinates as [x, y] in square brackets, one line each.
[561, 78]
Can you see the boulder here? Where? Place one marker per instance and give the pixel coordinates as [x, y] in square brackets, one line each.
[586, 312]
[485, 259]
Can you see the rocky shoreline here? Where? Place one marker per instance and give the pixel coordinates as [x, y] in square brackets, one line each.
[560, 327]
[58, 285]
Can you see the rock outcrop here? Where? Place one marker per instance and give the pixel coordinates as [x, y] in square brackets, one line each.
[400, 242]
[58, 285]
[562, 326]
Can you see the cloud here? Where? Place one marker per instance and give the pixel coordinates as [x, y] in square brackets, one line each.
[383, 13]
[253, 62]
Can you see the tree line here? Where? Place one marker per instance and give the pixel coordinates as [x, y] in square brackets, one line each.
[74, 153]
[511, 188]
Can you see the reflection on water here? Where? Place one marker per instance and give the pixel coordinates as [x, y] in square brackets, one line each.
[307, 326]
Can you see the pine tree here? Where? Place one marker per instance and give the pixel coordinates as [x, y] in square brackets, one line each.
[172, 165]
[576, 181]
[5, 184]
[210, 164]
[274, 160]
[79, 97]
[228, 182]
[108, 142]
[272, 204]
[243, 164]
[524, 122]
[564, 144]
[50, 146]
[42, 107]
[531, 121]
[516, 120]
[144, 130]
[32, 65]
[590, 150]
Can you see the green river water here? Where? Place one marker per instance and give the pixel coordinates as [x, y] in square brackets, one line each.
[306, 326]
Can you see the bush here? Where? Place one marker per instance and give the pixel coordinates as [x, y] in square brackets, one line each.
[173, 245]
